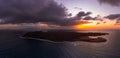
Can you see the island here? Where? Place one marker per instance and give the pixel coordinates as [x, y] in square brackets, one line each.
[59, 36]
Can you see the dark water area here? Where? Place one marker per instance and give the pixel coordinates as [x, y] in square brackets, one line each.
[11, 46]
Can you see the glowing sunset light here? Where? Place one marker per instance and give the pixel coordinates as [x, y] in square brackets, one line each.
[96, 25]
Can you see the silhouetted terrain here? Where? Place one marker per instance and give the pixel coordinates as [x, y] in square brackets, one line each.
[66, 36]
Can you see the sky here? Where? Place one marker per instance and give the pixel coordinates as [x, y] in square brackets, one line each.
[97, 8]
[60, 14]
[93, 6]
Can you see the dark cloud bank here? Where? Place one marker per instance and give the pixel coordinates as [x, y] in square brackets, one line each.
[45, 11]
[33, 11]
[113, 16]
[111, 2]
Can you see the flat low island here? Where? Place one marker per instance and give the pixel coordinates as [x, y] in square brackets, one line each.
[59, 36]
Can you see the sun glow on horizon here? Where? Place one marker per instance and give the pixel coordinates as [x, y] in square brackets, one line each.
[96, 25]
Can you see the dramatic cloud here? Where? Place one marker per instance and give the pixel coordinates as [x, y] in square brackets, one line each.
[118, 21]
[31, 11]
[34, 11]
[88, 18]
[68, 22]
[82, 13]
[111, 2]
[113, 16]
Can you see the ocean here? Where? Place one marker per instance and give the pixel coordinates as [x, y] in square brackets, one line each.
[12, 46]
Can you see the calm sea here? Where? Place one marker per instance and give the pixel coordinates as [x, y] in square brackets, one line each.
[11, 46]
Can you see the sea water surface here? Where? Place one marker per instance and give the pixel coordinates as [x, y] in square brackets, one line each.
[11, 46]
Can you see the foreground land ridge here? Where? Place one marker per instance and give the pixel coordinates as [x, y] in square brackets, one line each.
[66, 36]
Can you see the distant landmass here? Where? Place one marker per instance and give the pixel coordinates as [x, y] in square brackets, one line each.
[60, 36]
